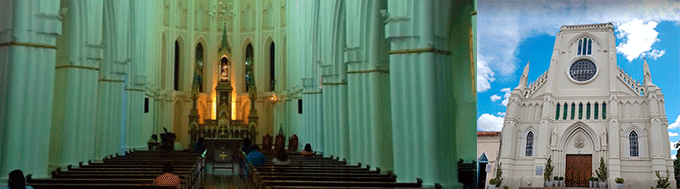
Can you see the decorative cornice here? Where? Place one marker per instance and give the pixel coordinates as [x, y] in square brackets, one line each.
[77, 67]
[337, 83]
[420, 50]
[368, 71]
[317, 92]
[133, 89]
[112, 80]
[37, 45]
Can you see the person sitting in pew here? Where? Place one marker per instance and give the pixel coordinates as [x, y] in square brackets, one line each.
[307, 152]
[167, 178]
[281, 158]
[199, 146]
[256, 157]
[17, 180]
[246, 148]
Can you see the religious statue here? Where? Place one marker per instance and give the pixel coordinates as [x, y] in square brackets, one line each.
[579, 142]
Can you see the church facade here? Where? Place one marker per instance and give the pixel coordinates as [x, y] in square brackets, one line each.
[585, 108]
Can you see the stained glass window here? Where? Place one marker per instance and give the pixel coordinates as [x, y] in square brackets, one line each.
[634, 151]
[604, 110]
[249, 80]
[557, 112]
[582, 70]
[596, 111]
[580, 111]
[580, 45]
[590, 46]
[564, 116]
[573, 110]
[530, 144]
[588, 111]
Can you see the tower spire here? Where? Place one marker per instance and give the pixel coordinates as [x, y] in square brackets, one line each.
[524, 78]
[647, 73]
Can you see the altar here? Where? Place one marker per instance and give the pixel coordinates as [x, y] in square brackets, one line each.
[222, 153]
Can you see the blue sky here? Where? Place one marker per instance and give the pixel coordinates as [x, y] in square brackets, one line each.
[510, 33]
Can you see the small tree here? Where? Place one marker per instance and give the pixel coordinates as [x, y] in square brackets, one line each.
[499, 175]
[663, 181]
[602, 171]
[548, 169]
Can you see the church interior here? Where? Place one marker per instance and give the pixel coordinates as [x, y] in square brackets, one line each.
[389, 85]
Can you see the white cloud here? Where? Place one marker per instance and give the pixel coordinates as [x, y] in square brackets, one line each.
[494, 98]
[638, 39]
[488, 122]
[507, 92]
[672, 134]
[484, 75]
[673, 149]
[506, 24]
[675, 124]
[502, 114]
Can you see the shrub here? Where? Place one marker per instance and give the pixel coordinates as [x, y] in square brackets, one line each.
[619, 180]
[663, 181]
[548, 169]
[602, 171]
[561, 178]
[556, 178]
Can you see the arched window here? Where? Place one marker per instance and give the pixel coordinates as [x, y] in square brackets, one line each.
[198, 78]
[249, 80]
[585, 46]
[177, 66]
[272, 68]
[596, 111]
[580, 111]
[557, 112]
[588, 111]
[634, 152]
[564, 115]
[604, 110]
[530, 144]
[573, 110]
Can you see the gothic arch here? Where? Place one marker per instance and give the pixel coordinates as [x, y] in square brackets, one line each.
[179, 62]
[524, 138]
[579, 126]
[268, 72]
[205, 71]
[596, 40]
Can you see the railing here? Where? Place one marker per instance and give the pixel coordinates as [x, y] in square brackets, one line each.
[519, 181]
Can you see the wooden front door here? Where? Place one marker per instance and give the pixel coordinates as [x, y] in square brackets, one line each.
[579, 169]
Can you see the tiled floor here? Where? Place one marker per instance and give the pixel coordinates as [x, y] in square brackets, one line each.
[223, 179]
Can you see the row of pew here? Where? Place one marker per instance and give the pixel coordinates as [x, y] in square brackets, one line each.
[316, 171]
[135, 169]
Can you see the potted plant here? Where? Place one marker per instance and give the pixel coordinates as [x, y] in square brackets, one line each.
[592, 181]
[499, 176]
[562, 182]
[492, 183]
[663, 181]
[548, 172]
[602, 174]
[556, 181]
[619, 183]
[506, 187]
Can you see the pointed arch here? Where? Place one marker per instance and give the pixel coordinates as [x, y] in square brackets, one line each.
[179, 59]
[270, 60]
[529, 135]
[579, 126]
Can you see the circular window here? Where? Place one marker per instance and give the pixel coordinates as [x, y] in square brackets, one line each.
[582, 70]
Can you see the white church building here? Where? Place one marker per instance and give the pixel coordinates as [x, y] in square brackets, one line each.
[583, 108]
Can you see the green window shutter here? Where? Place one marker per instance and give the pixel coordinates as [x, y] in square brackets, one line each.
[588, 111]
[604, 110]
[580, 111]
[573, 110]
[564, 115]
[595, 111]
[557, 112]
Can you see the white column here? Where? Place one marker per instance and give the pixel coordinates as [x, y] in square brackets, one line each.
[370, 128]
[75, 95]
[421, 76]
[28, 54]
[112, 78]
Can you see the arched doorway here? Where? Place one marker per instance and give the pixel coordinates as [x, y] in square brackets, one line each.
[579, 153]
